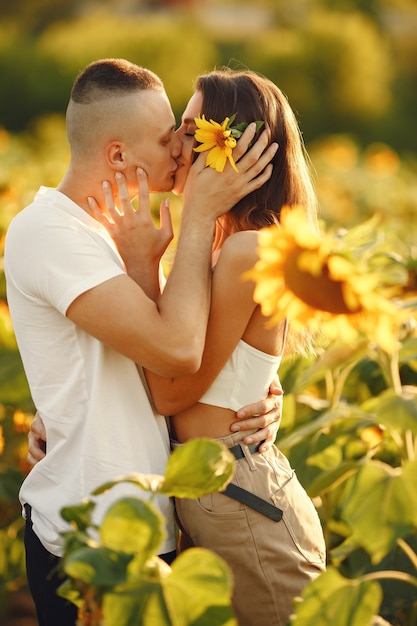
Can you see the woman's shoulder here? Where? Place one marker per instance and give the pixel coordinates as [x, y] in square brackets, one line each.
[241, 248]
[241, 241]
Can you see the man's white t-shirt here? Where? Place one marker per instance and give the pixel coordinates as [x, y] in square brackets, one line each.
[94, 402]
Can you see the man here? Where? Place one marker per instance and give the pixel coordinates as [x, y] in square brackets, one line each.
[82, 323]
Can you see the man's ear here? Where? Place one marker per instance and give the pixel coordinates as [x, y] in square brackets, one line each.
[116, 155]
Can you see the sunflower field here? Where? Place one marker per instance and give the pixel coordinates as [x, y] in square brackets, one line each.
[349, 422]
[350, 410]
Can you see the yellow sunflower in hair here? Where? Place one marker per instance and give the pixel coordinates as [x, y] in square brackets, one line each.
[219, 140]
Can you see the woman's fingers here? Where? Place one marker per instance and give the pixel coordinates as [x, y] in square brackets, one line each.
[245, 140]
[143, 190]
[259, 155]
[118, 205]
[109, 201]
[96, 212]
[254, 164]
[166, 221]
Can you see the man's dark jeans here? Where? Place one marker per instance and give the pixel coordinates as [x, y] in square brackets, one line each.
[51, 609]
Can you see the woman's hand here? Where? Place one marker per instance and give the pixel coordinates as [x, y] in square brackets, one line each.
[139, 242]
[264, 415]
[37, 440]
[206, 188]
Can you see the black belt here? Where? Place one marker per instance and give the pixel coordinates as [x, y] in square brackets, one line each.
[246, 497]
[237, 450]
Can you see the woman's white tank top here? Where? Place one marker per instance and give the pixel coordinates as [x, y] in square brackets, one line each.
[244, 379]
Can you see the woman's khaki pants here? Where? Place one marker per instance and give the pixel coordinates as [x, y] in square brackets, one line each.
[271, 561]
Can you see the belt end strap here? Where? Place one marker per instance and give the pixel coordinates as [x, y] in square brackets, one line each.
[253, 501]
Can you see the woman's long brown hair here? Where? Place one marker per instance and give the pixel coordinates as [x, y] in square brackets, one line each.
[253, 97]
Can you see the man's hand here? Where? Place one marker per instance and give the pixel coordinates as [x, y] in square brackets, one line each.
[37, 440]
[264, 415]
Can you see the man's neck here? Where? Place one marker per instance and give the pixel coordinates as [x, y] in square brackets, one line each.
[78, 187]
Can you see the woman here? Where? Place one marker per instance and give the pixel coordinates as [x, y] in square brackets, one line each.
[274, 544]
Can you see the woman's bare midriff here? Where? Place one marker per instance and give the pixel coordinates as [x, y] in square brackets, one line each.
[202, 420]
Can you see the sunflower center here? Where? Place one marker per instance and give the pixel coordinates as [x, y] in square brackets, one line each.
[319, 292]
[224, 139]
[220, 138]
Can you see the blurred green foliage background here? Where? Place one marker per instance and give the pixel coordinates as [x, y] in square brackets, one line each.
[348, 67]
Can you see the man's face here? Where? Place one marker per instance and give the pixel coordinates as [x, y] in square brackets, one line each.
[186, 135]
[152, 143]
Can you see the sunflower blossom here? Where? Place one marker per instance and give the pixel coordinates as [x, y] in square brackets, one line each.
[317, 282]
[218, 140]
